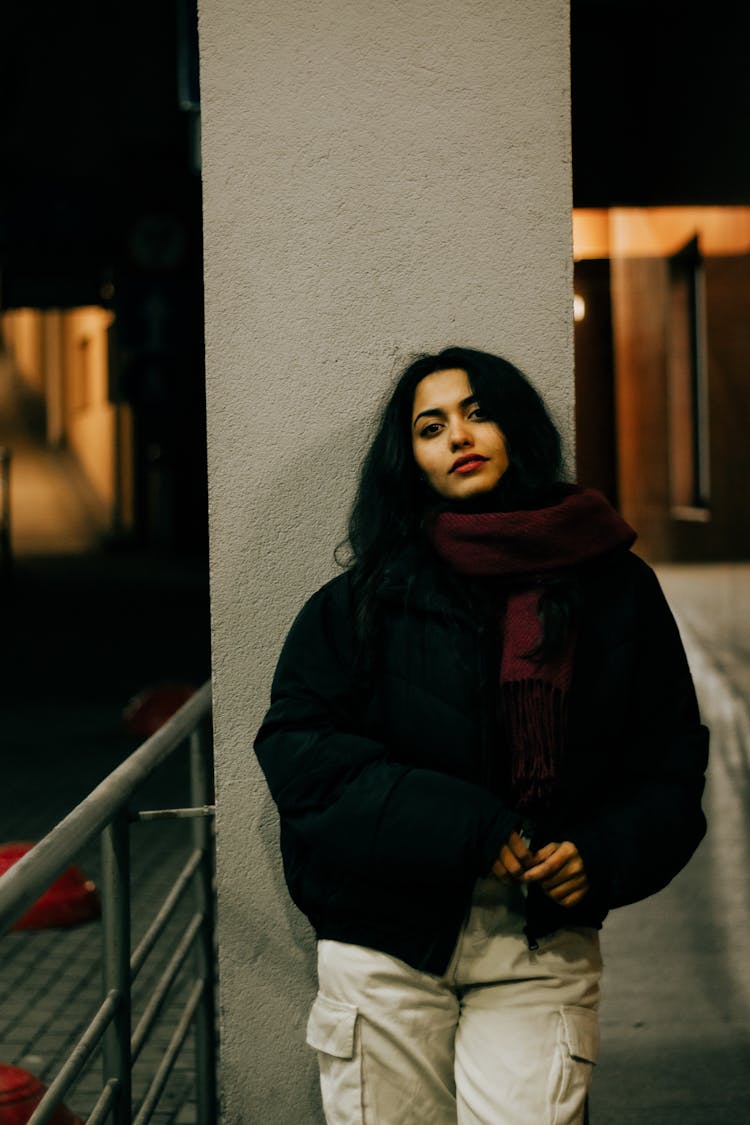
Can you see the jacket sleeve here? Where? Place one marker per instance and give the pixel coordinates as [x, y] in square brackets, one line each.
[637, 842]
[337, 788]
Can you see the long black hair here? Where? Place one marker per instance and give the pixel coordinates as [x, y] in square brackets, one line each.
[393, 498]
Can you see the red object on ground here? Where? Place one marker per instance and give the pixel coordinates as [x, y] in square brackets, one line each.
[150, 709]
[70, 900]
[21, 1093]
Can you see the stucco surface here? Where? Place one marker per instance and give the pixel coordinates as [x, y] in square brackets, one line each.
[379, 179]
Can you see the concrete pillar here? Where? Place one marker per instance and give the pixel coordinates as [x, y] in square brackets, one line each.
[379, 179]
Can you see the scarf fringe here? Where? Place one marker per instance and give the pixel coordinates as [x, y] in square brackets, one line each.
[536, 721]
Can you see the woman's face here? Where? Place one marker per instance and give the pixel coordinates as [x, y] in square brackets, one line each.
[460, 452]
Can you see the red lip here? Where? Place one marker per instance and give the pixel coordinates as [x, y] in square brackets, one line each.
[465, 461]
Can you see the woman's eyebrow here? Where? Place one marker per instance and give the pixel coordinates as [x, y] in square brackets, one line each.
[436, 412]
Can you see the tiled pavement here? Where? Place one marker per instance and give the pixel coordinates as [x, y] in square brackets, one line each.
[50, 983]
[79, 637]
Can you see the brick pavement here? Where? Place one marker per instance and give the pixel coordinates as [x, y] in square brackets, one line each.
[50, 981]
[80, 636]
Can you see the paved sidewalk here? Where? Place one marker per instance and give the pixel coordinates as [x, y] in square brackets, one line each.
[676, 990]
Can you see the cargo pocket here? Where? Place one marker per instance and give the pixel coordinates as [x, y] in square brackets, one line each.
[575, 1055]
[332, 1031]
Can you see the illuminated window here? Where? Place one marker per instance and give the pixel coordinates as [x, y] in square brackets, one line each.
[81, 384]
[687, 389]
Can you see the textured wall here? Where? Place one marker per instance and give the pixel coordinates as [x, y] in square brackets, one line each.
[379, 179]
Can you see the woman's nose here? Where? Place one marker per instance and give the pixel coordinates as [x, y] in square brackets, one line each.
[459, 434]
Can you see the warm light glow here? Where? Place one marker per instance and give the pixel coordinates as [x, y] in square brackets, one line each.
[62, 357]
[579, 308]
[658, 232]
[590, 233]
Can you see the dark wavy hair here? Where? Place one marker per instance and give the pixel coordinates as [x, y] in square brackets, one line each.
[393, 498]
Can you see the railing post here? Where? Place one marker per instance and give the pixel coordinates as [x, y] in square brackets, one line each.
[116, 959]
[205, 1035]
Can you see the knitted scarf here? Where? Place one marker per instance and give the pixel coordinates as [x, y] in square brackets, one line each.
[525, 550]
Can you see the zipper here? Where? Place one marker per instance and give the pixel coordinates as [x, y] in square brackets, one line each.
[527, 835]
[530, 936]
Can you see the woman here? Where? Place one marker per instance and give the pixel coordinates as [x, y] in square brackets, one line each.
[482, 736]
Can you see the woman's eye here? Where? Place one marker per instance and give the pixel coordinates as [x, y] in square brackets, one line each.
[433, 428]
[479, 414]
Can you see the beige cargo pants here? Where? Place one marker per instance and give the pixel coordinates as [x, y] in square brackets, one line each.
[506, 1036]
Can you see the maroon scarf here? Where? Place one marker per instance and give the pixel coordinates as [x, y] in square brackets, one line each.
[522, 549]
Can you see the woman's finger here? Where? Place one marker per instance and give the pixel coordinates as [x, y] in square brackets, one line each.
[549, 866]
[517, 846]
[573, 898]
[499, 870]
[572, 868]
[545, 852]
[561, 892]
[510, 862]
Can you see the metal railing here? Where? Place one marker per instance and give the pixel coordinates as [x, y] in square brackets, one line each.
[105, 812]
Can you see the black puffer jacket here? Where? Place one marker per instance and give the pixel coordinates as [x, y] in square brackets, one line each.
[390, 799]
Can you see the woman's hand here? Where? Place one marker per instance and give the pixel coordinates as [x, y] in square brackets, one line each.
[513, 860]
[559, 870]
